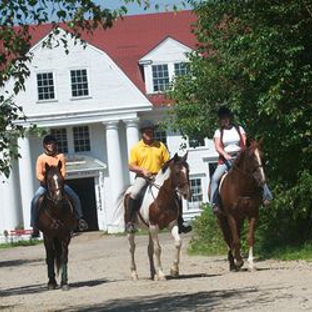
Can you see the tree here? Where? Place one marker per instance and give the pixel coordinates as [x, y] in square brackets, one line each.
[18, 19]
[255, 56]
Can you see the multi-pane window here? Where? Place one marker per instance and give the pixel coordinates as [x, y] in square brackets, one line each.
[160, 77]
[197, 194]
[180, 69]
[81, 139]
[161, 135]
[45, 86]
[79, 82]
[61, 136]
[196, 142]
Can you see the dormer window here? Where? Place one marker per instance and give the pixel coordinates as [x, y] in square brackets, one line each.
[45, 85]
[79, 83]
[160, 77]
[180, 69]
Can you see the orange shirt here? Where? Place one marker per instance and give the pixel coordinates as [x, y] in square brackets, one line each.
[51, 161]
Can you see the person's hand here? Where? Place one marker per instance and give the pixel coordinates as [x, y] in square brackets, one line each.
[146, 173]
[227, 156]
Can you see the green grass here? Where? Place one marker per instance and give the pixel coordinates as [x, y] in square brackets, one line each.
[25, 243]
[288, 253]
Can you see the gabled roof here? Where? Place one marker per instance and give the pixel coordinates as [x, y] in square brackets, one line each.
[132, 37]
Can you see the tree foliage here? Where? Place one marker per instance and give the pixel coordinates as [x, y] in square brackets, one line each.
[18, 21]
[255, 56]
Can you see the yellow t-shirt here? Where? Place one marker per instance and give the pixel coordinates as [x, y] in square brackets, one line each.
[150, 157]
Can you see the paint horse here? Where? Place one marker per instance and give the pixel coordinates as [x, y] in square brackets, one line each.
[56, 221]
[159, 210]
[241, 196]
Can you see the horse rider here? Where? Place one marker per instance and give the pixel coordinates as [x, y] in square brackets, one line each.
[51, 156]
[146, 159]
[229, 140]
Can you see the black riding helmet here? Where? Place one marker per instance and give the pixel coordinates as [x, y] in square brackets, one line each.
[146, 124]
[224, 112]
[49, 139]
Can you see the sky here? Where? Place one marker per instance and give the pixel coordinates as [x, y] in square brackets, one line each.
[134, 8]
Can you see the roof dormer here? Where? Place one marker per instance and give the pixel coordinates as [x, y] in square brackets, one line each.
[163, 63]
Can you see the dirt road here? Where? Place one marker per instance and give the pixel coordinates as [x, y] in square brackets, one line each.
[99, 280]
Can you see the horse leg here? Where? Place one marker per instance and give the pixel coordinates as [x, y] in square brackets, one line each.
[150, 251]
[251, 241]
[174, 271]
[160, 275]
[134, 274]
[48, 244]
[64, 264]
[227, 235]
[236, 243]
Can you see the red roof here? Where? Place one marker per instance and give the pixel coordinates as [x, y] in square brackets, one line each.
[132, 37]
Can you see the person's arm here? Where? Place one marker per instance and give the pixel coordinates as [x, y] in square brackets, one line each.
[140, 171]
[219, 148]
[63, 168]
[40, 169]
[133, 165]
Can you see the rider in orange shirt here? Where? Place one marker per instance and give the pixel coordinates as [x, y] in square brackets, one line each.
[51, 156]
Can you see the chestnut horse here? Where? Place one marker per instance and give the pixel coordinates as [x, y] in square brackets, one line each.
[159, 210]
[240, 198]
[56, 221]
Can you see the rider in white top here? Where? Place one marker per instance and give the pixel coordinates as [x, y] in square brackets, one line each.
[229, 139]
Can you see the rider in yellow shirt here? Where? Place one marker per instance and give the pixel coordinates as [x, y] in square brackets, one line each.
[146, 158]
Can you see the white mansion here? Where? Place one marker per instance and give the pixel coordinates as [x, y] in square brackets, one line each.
[92, 100]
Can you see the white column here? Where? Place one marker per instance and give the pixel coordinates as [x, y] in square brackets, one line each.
[27, 173]
[132, 133]
[115, 215]
[11, 216]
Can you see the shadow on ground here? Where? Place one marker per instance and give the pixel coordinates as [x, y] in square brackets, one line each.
[13, 263]
[203, 301]
[39, 288]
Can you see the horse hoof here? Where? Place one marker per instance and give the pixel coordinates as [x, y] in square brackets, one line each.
[252, 268]
[239, 265]
[134, 276]
[159, 278]
[52, 286]
[174, 273]
[65, 287]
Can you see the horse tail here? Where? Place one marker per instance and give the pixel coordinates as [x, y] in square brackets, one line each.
[58, 254]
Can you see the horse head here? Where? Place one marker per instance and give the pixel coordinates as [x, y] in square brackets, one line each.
[179, 169]
[54, 182]
[250, 160]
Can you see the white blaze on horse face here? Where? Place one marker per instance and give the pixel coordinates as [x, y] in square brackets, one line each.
[257, 154]
[55, 178]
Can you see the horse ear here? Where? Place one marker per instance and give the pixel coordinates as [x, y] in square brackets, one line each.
[184, 158]
[59, 165]
[46, 167]
[175, 157]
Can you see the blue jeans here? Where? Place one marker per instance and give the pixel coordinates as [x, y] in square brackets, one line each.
[41, 191]
[220, 170]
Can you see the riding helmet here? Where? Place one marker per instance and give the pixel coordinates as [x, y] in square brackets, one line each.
[224, 112]
[48, 139]
[146, 124]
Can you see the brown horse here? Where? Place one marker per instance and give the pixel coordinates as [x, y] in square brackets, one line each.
[159, 210]
[56, 221]
[241, 196]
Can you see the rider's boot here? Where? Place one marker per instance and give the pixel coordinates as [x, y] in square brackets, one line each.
[35, 233]
[130, 216]
[82, 225]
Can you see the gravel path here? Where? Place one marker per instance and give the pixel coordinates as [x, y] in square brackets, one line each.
[100, 281]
